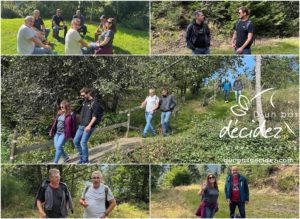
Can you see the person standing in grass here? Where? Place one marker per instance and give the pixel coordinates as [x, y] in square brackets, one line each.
[243, 35]
[39, 24]
[90, 115]
[56, 26]
[226, 88]
[53, 198]
[105, 44]
[63, 128]
[152, 104]
[74, 42]
[97, 198]
[198, 35]
[209, 193]
[101, 28]
[236, 192]
[28, 42]
[167, 104]
[82, 27]
[237, 87]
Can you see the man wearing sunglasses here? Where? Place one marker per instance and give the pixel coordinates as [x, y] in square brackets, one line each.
[243, 35]
[90, 115]
[97, 198]
[237, 192]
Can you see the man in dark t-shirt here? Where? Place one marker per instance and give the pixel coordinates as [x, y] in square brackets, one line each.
[82, 28]
[55, 196]
[198, 35]
[56, 26]
[39, 24]
[90, 115]
[243, 35]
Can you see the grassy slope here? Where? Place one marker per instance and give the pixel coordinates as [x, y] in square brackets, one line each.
[182, 201]
[126, 41]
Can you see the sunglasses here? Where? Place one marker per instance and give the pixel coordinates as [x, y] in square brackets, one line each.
[109, 22]
[211, 177]
[95, 177]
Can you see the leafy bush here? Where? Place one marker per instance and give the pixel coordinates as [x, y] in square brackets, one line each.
[288, 183]
[179, 175]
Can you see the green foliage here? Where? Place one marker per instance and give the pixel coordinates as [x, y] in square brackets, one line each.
[288, 183]
[178, 175]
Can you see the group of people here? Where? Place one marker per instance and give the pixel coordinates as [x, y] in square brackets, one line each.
[236, 193]
[32, 37]
[64, 126]
[198, 36]
[152, 103]
[237, 87]
[54, 199]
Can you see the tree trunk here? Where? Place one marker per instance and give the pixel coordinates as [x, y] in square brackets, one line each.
[259, 110]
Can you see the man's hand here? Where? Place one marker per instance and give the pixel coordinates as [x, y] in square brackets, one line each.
[228, 200]
[87, 129]
[239, 50]
[47, 47]
[246, 202]
[84, 203]
[233, 45]
[43, 215]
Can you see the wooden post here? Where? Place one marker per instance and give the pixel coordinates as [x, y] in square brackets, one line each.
[128, 124]
[13, 146]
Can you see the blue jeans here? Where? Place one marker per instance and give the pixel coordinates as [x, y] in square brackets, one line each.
[165, 122]
[40, 51]
[209, 212]
[59, 141]
[226, 95]
[245, 52]
[148, 126]
[237, 93]
[47, 31]
[80, 141]
[56, 32]
[203, 51]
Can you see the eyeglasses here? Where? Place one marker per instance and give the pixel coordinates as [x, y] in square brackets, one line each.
[96, 177]
[211, 177]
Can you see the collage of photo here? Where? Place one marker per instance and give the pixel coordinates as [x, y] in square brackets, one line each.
[149, 109]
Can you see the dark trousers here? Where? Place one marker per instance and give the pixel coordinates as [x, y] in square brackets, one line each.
[83, 29]
[226, 95]
[56, 31]
[241, 206]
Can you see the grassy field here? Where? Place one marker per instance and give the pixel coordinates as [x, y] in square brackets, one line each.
[124, 210]
[174, 43]
[182, 202]
[126, 41]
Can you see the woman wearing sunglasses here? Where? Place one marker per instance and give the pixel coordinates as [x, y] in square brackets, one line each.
[209, 197]
[62, 129]
[105, 45]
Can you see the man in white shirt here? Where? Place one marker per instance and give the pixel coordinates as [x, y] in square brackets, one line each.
[152, 103]
[74, 42]
[28, 42]
[94, 197]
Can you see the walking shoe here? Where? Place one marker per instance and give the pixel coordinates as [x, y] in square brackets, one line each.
[67, 160]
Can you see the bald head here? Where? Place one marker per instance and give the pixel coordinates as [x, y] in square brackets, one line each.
[234, 170]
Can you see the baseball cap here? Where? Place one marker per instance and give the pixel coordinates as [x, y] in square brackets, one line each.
[102, 16]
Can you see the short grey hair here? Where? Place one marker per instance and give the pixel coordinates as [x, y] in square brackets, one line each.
[75, 20]
[53, 171]
[27, 18]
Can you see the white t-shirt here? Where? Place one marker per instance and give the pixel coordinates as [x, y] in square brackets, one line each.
[24, 38]
[72, 46]
[96, 201]
[151, 102]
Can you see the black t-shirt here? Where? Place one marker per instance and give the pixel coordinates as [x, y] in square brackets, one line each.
[57, 20]
[90, 109]
[38, 23]
[57, 200]
[242, 29]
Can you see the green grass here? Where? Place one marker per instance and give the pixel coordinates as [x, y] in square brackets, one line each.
[126, 41]
[182, 201]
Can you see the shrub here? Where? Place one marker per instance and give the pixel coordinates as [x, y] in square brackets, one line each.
[179, 175]
[288, 183]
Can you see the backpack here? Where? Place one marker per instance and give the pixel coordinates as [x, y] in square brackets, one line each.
[253, 38]
[106, 192]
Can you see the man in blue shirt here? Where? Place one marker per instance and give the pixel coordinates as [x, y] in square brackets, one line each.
[226, 88]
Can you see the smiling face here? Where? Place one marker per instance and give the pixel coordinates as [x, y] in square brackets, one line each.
[234, 171]
[96, 179]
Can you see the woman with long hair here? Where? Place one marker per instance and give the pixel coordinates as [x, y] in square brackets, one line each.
[62, 129]
[105, 44]
[209, 193]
